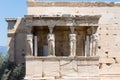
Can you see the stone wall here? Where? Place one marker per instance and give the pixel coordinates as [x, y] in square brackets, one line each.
[62, 68]
[17, 40]
[108, 48]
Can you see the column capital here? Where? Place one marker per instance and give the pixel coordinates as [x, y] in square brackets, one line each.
[29, 36]
[51, 23]
[89, 31]
[72, 28]
[51, 28]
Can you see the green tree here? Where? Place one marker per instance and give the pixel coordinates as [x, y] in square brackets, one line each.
[10, 70]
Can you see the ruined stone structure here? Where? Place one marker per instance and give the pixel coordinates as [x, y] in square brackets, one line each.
[67, 40]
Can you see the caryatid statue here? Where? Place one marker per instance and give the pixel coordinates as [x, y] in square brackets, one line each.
[95, 43]
[72, 44]
[30, 44]
[73, 39]
[51, 44]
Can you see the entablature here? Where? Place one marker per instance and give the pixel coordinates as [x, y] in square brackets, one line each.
[11, 22]
[62, 20]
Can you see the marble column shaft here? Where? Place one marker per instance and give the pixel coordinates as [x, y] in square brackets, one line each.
[87, 46]
[35, 46]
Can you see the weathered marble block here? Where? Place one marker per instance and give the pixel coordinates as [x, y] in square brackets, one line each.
[68, 68]
[88, 70]
[33, 68]
[50, 68]
[110, 69]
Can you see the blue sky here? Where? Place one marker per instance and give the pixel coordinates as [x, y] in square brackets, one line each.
[84, 0]
[17, 8]
[10, 9]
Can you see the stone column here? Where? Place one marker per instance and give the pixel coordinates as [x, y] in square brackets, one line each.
[51, 41]
[35, 46]
[87, 46]
[91, 45]
[72, 45]
[30, 44]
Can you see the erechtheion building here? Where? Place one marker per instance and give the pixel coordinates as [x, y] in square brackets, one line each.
[67, 40]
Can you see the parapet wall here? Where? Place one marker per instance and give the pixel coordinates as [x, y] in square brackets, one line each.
[65, 68]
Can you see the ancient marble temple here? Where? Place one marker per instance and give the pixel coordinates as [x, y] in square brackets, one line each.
[67, 40]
